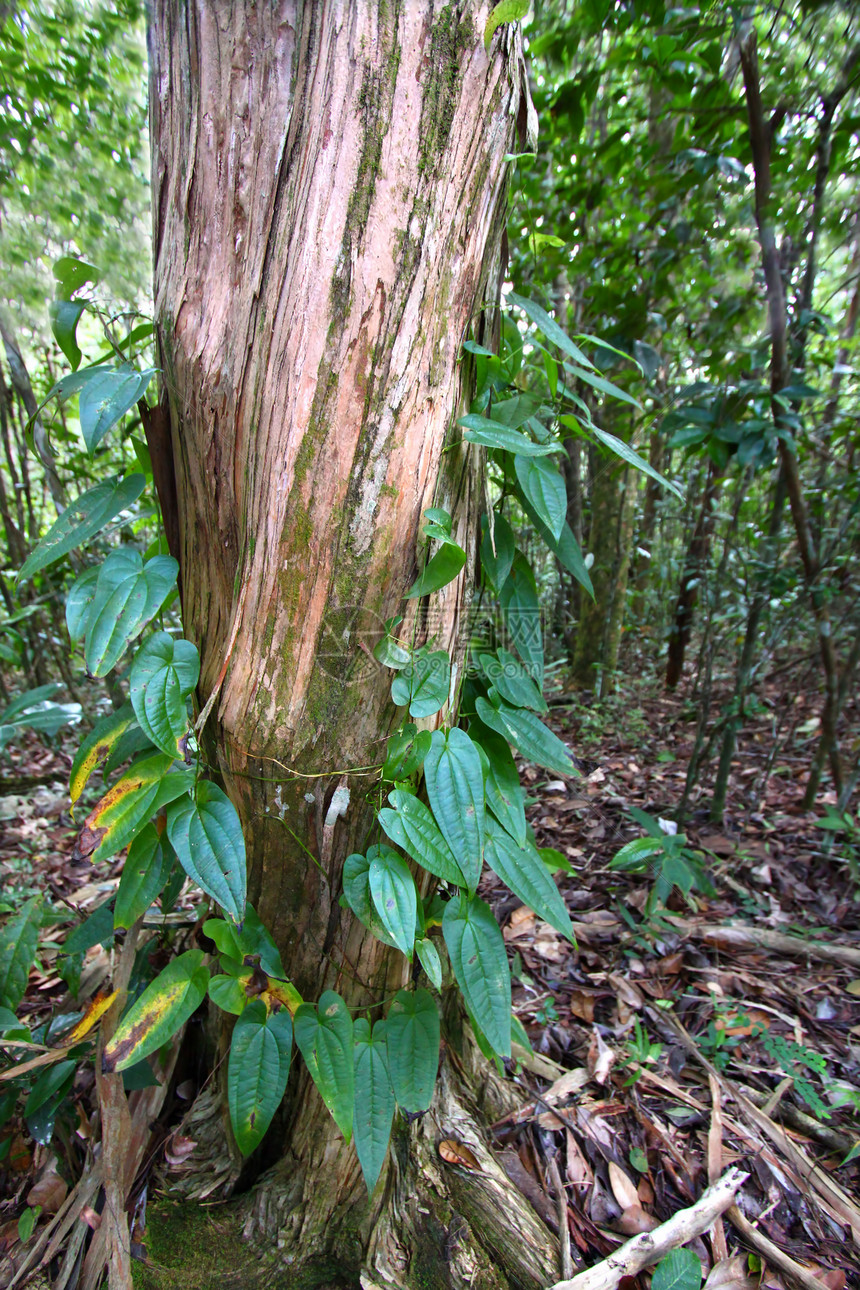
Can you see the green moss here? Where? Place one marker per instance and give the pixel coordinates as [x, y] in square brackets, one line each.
[448, 38]
[389, 490]
[193, 1248]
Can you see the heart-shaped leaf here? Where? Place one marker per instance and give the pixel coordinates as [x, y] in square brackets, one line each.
[392, 888]
[260, 1050]
[411, 826]
[207, 836]
[324, 1036]
[163, 673]
[480, 964]
[455, 786]
[165, 1005]
[412, 1028]
[374, 1110]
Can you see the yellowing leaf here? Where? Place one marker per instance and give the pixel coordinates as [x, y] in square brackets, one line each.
[96, 1009]
[165, 1005]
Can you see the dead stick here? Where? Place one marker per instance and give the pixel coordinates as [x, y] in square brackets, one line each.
[648, 1248]
[760, 938]
[563, 1225]
[800, 1275]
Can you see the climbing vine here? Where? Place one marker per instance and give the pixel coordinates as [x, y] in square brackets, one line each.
[448, 799]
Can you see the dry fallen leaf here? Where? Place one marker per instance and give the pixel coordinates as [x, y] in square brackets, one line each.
[623, 1188]
[457, 1153]
[49, 1191]
[634, 1220]
[731, 1274]
[601, 1058]
[578, 1169]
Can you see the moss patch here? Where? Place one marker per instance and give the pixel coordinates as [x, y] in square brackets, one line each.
[193, 1248]
[448, 38]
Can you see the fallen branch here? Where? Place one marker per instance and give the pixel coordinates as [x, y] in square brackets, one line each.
[649, 1247]
[787, 1265]
[760, 938]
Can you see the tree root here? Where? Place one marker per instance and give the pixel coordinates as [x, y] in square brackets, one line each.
[429, 1225]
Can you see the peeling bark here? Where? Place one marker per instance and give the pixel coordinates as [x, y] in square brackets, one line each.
[329, 188]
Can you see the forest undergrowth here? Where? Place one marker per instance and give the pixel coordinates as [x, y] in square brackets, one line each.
[675, 1040]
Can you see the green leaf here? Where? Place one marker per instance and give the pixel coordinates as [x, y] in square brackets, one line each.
[512, 680]
[544, 487]
[393, 891]
[228, 992]
[324, 1036]
[506, 11]
[80, 598]
[496, 564]
[519, 603]
[257, 1072]
[163, 673]
[549, 327]
[127, 594]
[207, 836]
[106, 397]
[356, 889]
[65, 316]
[148, 863]
[605, 387]
[527, 733]
[502, 788]
[567, 550]
[411, 826]
[424, 684]
[623, 450]
[82, 519]
[441, 569]
[18, 941]
[493, 434]
[412, 1029]
[32, 712]
[680, 1270]
[428, 956]
[480, 965]
[455, 787]
[128, 804]
[405, 753]
[522, 869]
[374, 1111]
[165, 1005]
[72, 273]
[252, 939]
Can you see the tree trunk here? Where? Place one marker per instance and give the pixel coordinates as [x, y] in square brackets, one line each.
[688, 592]
[329, 192]
[598, 633]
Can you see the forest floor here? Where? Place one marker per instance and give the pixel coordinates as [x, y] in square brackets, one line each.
[666, 1047]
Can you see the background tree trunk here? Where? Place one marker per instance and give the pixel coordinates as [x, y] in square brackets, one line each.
[329, 191]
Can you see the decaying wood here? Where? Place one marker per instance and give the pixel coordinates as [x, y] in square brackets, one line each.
[648, 1248]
